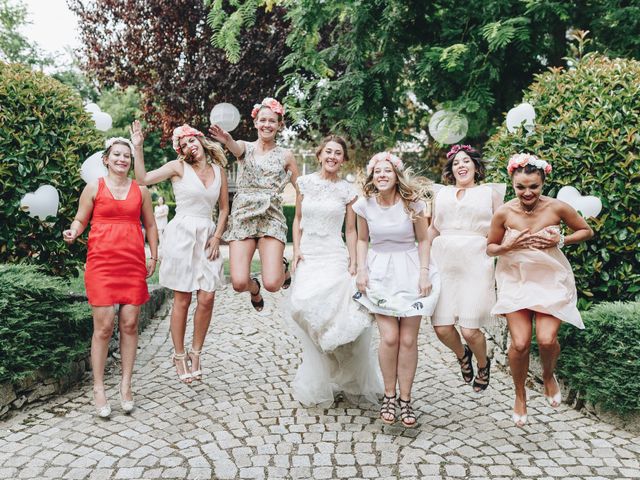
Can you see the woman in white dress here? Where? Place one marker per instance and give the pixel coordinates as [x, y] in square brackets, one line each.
[458, 236]
[191, 259]
[394, 278]
[337, 353]
[161, 212]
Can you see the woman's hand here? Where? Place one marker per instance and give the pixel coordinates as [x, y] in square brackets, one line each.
[516, 242]
[424, 284]
[362, 280]
[547, 238]
[137, 137]
[219, 134]
[297, 257]
[212, 248]
[70, 235]
[151, 266]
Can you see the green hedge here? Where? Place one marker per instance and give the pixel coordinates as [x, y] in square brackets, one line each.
[602, 362]
[40, 328]
[587, 127]
[45, 136]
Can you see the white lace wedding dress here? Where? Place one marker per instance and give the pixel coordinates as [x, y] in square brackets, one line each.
[336, 334]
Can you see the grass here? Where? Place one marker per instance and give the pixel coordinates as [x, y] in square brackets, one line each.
[76, 285]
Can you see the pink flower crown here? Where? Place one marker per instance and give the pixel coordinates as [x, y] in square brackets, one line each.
[268, 102]
[183, 131]
[457, 148]
[521, 159]
[389, 157]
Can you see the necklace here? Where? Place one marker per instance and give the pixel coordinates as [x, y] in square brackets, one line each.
[530, 211]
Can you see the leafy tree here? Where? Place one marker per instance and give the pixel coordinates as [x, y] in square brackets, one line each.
[356, 65]
[163, 48]
[15, 47]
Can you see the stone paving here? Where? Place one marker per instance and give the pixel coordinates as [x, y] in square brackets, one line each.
[241, 421]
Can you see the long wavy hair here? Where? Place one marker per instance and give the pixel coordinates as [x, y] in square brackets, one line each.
[212, 150]
[412, 188]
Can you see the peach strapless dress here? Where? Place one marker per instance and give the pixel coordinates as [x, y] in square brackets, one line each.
[538, 280]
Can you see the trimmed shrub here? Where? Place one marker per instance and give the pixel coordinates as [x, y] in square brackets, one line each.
[40, 328]
[602, 362]
[587, 127]
[45, 137]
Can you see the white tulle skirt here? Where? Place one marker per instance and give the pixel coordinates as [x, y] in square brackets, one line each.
[338, 354]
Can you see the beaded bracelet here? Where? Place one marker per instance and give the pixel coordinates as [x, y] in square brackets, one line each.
[561, 242]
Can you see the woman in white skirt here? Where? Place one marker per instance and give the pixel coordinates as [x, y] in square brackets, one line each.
[335, 332]
[191, 259]
[394, 280]
[458, 236]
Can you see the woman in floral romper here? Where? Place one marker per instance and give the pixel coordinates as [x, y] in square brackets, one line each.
[256, 219]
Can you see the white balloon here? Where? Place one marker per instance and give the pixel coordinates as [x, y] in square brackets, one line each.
[523, 113]
[568, 194]
[448, 127]
[93, 168]
[92, 108]
[103, 120]
[225, 115]
[588, 205]
[42, 203]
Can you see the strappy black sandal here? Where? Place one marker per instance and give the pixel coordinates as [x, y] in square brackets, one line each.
[287, 279]
[406, 413]
[466, 367]
[258, 305]
[387, 408]
[484, 375]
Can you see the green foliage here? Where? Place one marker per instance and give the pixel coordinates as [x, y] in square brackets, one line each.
[602, 362]
[289, 214]
[588, 129]
[40, 329]
[45, 137]
[14, 46]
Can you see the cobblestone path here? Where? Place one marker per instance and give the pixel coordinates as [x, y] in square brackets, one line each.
[241, 421]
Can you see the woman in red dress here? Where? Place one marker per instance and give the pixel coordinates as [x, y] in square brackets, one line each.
[116, 269]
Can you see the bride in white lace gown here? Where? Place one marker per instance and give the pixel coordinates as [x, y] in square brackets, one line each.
[336, 334]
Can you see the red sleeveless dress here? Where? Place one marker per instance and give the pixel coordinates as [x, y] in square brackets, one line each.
[116, 268]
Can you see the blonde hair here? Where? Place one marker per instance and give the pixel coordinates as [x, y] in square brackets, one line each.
[212, 150]
[412, 188]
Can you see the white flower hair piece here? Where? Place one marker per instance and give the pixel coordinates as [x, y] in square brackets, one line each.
[108, 143]
[521, 159]
[389, 157]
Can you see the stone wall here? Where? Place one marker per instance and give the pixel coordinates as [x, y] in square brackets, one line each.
[41, 386]
[497, 345]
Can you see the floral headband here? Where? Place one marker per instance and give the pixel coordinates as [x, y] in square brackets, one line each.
[460, 148]
[268, 102]
[108, 143]
[183, 131]
[521, 159]
[389, 157]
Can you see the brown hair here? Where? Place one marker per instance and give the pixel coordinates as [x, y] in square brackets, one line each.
[333, 138]
[474, 155]
[212, 150]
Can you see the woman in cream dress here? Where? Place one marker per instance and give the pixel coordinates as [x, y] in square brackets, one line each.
[533, 276]
[191, 259]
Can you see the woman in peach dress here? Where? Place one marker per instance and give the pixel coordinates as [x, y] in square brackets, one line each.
[533, 276]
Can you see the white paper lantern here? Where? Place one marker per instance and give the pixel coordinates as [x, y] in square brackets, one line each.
[225, 115]
[93, 168]
[523, 113]
[448, 127]
[42, 203]
[103, 120]
[568, 194]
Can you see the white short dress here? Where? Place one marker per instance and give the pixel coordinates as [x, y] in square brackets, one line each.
[184, 266]
[393, 263]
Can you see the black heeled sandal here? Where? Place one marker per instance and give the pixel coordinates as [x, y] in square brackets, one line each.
[388, 407]
[406, 412]
[484, 375]
[466, 367]
[287, 279]
[257, 305]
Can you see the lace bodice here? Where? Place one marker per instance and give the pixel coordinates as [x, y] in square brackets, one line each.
[323, 205]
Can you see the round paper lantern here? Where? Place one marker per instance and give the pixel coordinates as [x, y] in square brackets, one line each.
[448, 127]
[103, 120]
[225, 115]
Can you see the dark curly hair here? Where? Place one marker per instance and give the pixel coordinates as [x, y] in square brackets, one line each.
[474, 155]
